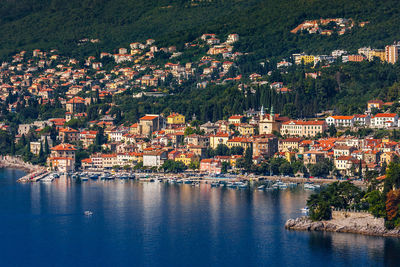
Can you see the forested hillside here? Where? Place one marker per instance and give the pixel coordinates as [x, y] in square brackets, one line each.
[263, 25]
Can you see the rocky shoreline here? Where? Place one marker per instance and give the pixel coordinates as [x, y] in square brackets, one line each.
[16, 163]
[361, 225]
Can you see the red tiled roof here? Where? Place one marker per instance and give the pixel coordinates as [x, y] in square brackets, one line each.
[148, 117]
[385, 115]
[64, 147]
[343, 117]
[300, 122]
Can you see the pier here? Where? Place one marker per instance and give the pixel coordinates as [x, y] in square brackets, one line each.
[33, 177]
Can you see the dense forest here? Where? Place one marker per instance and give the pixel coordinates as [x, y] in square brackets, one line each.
[263, 25]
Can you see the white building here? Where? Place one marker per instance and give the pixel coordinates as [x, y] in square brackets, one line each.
[384, 120]
[340, 121]
[154, 158]
[362, 120]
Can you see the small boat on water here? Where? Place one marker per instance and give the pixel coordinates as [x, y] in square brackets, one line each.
[261, 187]
[84, 178]
[47, 179]
[88, 213]
[94, 176]
[280, 185]
[305, 210]
[310, 186]
[241, 185]
[230, 185]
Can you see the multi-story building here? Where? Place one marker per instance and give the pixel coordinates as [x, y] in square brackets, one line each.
[378, 104]
[235, 119]
[303, 128]
[76, 104]
[243, 142]
[313, 157]
[62, 158]
[197, 140]
[68, 135]
[340, 121]
[87, 138]
[245, 129]
[384, 120]
[186, 158]
[218, 139]
[154, 158]
[150, 123]
[270, 123]
[265, 146]
[355, 58]
[391, 53]
[289, 144]
[109, 160]
[35, 147]
[339, 151]
[377, 53]
[211, 166]
[362, 120]
[175, 119]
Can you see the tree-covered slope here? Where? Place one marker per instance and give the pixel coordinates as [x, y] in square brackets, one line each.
[264, 25]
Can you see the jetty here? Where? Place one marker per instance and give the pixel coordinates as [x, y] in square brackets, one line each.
[33, 177]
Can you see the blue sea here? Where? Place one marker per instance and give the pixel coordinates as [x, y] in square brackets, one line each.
[156, 224]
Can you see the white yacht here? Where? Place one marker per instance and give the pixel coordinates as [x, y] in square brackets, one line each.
[47, 179]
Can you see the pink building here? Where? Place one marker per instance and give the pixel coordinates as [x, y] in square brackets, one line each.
[210, 166]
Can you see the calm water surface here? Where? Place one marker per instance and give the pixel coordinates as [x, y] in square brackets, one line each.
[152, 224]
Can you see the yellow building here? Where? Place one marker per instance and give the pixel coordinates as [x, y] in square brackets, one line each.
[218, 139]
[307, 59]
[175, 118]
[186, 158]
[233, 160]
[235, 119]
[246, 129]
[381, 54]
[240, 141]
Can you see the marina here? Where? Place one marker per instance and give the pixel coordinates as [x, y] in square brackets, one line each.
[231, 182]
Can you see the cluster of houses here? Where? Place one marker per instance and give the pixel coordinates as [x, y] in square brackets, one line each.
[379, 120]
[156, 138]
[43, 73]
[389, 54]
[321, 26]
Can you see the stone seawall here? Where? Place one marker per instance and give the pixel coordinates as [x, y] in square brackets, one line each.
[344, 222]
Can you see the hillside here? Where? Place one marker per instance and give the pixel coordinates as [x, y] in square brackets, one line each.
[264, 25]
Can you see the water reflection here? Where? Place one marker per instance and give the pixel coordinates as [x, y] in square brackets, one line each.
[175, 225]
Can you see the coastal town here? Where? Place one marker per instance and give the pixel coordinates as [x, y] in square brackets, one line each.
[257, 141]
[200, 133]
